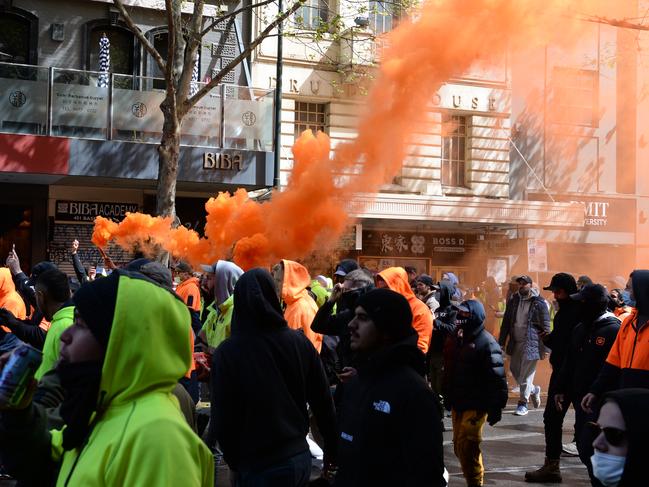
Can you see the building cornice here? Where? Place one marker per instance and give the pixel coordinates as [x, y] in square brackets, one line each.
[466, 209]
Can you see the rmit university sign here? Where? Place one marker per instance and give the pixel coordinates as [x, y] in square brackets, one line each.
[222, 161]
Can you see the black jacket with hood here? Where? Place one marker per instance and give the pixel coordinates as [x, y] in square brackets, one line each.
[390, 426]
[564, 322]
[474, 377]
[627, 364]
[263, 376]
[444, 323]
[587, 350]
[634, 404]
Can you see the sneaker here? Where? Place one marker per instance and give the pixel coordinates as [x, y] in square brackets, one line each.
[516, 390]
[570, 449]
[521, 410]
[536, 397]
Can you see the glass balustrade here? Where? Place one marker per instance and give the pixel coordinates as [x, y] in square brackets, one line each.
[93, 105]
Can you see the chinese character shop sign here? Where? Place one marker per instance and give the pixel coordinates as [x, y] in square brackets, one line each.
[413, 244]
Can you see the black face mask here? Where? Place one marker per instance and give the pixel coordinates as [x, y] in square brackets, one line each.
[80, 382]
[589, 312]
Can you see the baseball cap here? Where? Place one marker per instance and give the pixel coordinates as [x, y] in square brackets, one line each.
[345, 266]
[525, 279]
[183, 266]
[38, 269]
[427, 280]
[210, 269]
[563, 281]
[594, 293]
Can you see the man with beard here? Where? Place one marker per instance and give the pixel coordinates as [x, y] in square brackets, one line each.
[562, 286]
[590, 342]
[390, 427]
[526, 320]
[123, 426]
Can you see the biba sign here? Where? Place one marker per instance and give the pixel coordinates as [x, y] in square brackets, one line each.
[223, 161]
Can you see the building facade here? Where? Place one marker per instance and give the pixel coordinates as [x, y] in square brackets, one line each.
[80, 122]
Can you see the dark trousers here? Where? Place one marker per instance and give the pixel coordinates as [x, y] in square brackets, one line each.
[585, 438]
[293, 472]
[553, 421]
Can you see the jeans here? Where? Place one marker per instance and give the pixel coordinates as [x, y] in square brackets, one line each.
[293, 472]
[9, 342]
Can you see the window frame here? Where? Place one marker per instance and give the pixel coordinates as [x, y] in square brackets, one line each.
[561, 91]
[373, 16]
[91, 25]
[449, 175]
[32, 21]
[300, 126]
[318, 9]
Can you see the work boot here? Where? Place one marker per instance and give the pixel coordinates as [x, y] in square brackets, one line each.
[548, 473]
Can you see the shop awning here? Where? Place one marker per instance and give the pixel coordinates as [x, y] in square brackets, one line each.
[466, 209]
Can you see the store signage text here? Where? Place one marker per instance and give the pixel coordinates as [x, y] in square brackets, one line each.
[89, 210]
[215, 161]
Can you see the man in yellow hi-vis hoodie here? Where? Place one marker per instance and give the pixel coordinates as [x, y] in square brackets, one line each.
[120, 361]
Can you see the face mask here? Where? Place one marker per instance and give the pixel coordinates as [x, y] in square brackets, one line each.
[177, 280]
[608, 468]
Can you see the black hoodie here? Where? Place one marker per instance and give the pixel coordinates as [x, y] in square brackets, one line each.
[564, 321]
[444, 323]
[587, 350]
[390, 426]
[263, 376]
[474, 377]
[634, 404]
[627, 364]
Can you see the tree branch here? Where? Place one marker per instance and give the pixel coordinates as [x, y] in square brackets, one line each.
[190, 57]
[140, 36]
[246, 52]
[234, 13]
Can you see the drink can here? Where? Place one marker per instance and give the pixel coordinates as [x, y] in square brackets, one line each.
[17, 375]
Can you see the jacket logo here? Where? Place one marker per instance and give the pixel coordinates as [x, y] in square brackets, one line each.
[346, 436]
[382, 406]
[600, 341]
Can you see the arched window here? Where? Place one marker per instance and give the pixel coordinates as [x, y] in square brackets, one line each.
[18, 36]
[124, 57]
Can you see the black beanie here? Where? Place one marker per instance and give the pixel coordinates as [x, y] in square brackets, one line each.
[389, 311]
[95, 302]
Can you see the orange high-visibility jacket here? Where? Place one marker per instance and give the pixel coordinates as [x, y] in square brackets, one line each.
[630, 351]
[422, 319]
[189, 288]
[300, 307]
[9, 297]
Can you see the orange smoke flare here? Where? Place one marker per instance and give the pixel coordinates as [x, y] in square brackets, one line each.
[443, 42]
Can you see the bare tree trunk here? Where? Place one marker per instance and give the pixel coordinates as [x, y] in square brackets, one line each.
[168, 155]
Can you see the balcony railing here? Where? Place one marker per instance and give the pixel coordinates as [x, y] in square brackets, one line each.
[107, 106]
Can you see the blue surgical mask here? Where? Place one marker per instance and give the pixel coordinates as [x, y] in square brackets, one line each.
[608, 468]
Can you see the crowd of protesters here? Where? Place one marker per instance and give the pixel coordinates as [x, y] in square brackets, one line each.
[358, 370]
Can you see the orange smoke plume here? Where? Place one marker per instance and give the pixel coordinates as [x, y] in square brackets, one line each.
[443, 41]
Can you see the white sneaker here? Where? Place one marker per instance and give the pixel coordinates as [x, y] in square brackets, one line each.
[516, 390]
[521, 410]
[570, 449]
[536, 397]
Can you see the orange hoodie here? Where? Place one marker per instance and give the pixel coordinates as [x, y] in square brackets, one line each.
[300, 307]
[190, 288]
[9, 298]
[422, 319]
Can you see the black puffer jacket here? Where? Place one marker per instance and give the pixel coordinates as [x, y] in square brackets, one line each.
[390, 426]
[588, 348]
[444, 323]
[474, 377]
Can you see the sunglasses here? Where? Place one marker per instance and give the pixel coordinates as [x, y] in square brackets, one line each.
[614, 436]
